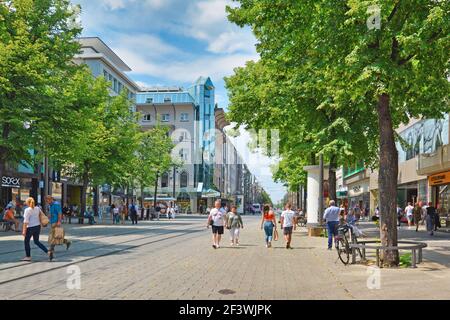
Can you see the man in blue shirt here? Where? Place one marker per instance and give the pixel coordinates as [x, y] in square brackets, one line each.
[55, 221]
[331, 216]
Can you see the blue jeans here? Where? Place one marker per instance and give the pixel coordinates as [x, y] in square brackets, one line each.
[268, 229]
[332, 231]
[33, 232]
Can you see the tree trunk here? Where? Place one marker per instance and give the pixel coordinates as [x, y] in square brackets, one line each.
[320, 206]
[332, 178]
[3, 153]
[142, 202]
[156, 190]
[2, 172]
[387, 182]
[84, 190]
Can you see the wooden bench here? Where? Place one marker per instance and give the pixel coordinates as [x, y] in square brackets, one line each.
[415, 247]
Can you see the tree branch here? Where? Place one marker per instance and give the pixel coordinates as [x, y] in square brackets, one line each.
[394, 11]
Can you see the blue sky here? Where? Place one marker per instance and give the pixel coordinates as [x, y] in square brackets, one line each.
[172, 43]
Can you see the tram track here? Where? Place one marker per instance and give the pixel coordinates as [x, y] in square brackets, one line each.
[184, 232]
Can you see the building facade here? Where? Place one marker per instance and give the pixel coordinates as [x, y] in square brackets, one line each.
[177, 110]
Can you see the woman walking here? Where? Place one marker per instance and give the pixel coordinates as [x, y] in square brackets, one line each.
[234, 224]
[32, 228]
[268, 222]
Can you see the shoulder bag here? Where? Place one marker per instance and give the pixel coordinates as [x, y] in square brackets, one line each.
[43, 219]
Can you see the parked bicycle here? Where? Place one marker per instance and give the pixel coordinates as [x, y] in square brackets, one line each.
[343, 243]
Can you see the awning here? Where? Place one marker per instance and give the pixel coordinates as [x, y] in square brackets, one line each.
[160, 199]
[210, 193]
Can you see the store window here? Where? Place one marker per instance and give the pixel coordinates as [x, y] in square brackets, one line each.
[165, 180]
[184, 179]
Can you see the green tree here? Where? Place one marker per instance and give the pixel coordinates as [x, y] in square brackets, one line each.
[37, 43]
[102, 144]
[331, 59]
[152, 157]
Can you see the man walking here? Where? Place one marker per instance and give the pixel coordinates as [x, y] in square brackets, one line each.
[216, 220]
[399, 215]
[133, 213]
[430, 218]
[331, 216]
[288, 223]
[409, 214]
[158, 211]
[55, 221]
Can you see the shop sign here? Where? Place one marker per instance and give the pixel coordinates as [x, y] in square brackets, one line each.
[10, 182]
[438, 179]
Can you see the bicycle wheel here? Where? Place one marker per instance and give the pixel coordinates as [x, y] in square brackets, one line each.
[343, 251]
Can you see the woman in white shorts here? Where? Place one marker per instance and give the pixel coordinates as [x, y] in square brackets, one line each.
[234, 224]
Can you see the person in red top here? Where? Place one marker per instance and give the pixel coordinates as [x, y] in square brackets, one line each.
[9, 217]
[268, 222]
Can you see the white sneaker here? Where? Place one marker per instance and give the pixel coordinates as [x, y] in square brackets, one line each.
[232, 244]
[217, 246]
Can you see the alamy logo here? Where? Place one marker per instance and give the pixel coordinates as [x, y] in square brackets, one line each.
[74, 279]
[374, 20]
[374, 279]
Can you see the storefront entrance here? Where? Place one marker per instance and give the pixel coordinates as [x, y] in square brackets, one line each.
[440, 184]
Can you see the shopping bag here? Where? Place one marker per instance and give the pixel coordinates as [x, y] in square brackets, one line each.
[275, 234]
[57, 236]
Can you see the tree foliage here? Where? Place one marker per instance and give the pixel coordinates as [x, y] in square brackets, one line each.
[333, 84]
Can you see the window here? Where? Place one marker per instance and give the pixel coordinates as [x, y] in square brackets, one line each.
[184, 178]
[183, 136]
[183, 155]
[167, 99]
[165, 117]
[105, 74]
[165, 180]
[115, 85]
[120, 87]
[184, 117]
[147, 117]
[149, 100]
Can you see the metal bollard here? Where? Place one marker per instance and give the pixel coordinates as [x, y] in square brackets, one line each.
[413, 259]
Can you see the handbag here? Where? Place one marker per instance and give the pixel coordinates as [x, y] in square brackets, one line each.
[275, 234]
[43, 219]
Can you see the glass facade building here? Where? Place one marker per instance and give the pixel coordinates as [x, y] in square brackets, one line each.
[203, 92]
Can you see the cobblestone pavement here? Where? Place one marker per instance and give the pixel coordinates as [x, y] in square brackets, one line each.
[175, 260]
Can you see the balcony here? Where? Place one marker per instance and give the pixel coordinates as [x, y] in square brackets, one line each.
[430, 163]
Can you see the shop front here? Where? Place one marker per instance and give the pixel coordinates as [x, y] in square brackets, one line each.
[440, 193]
[16, 189]
[359, 195]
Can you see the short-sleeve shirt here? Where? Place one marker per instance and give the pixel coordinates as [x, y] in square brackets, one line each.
[288, 218]
[31, 216]
[217, 217]
[409, 210]
[55, 210]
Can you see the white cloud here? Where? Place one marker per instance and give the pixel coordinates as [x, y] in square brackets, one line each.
[146, 44]
[233, 41]
[114, 4]
[121, 4]
[183, 70]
